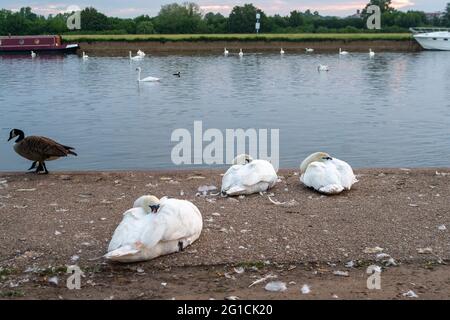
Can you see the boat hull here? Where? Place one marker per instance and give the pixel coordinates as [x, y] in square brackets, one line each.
[59, 50]
[434, 41]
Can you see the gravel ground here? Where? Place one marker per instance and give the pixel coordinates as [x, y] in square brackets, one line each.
[49, 222]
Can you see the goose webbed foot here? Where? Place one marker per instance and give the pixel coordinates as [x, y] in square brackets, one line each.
[43, 167]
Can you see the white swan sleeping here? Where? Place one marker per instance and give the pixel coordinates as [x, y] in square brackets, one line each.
[309, 50]
[154, 228]
[248, 176]
[325, 174]
[141, 53]
[147, 79]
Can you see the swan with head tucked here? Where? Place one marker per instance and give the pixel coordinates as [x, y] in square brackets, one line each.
[226, 52]
[155, 227]
[309, 50]
[141, 53]
[325, 174]
[135, 58]
[33, 54]
[241, 53]
[147, 79]
[342, 52]
[371, 53]
[322, 67]
[248, 176]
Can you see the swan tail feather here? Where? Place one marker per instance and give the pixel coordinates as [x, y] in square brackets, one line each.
[331, 189]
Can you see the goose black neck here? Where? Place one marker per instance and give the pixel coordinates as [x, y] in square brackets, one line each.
[21, 135]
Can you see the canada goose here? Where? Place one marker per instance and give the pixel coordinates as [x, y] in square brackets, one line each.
[85, 56]
[38, 149]
[178, 74]
[371, 53]
[325, 174]
[155, 227]
[343, 53]
[33, 54]
[147, 79]
[322, 67]
[248, 176]
[309, 50]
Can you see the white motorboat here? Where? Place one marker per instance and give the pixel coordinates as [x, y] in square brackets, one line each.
[432, 38]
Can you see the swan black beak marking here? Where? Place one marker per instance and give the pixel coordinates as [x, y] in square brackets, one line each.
[154, 208]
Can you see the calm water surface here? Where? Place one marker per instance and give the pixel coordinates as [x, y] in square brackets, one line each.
[390, 111]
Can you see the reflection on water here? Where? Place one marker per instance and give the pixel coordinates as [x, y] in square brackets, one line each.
[393, 110]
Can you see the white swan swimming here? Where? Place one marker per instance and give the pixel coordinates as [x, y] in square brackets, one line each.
[85, 56]
[135, 58]
[154, 228]
[309, 50]
[241, 53]
[322, 67]
[371, 53]
[33, 54]
[226, 52]
[325, 174]
[248, 176]
[282, 51]
[141, 53]
[147, 79]
[343, 53]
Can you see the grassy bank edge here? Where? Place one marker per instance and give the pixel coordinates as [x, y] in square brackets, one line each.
[303, 37]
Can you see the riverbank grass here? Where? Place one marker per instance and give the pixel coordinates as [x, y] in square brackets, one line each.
[297, 37]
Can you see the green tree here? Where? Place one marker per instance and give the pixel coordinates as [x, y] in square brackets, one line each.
[446, 19]
[176, 18]
[215, 22]
[145, 27]
[385, 5]
[296, 19]
[92, 20]
[242, 19]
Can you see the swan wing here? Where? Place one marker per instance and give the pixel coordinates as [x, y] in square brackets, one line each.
[150, 79]
[129, 230]
[346, 174]
[231, 177]
[258, 171]
[176, 219]
[323, 177]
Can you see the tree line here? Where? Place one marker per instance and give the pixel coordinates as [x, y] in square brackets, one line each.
[187, 18]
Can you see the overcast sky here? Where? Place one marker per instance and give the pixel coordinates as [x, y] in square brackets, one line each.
[132, 8]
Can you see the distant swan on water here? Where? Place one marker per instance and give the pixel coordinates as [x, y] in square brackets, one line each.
[141, 53]
[33, 54]
[225, 51]
[282, 51]
[371, 53]
[322, 67]
[342, 52]
[241, 53]
[147, 79]
[85, 56]
[135, 57]
[309, 50]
